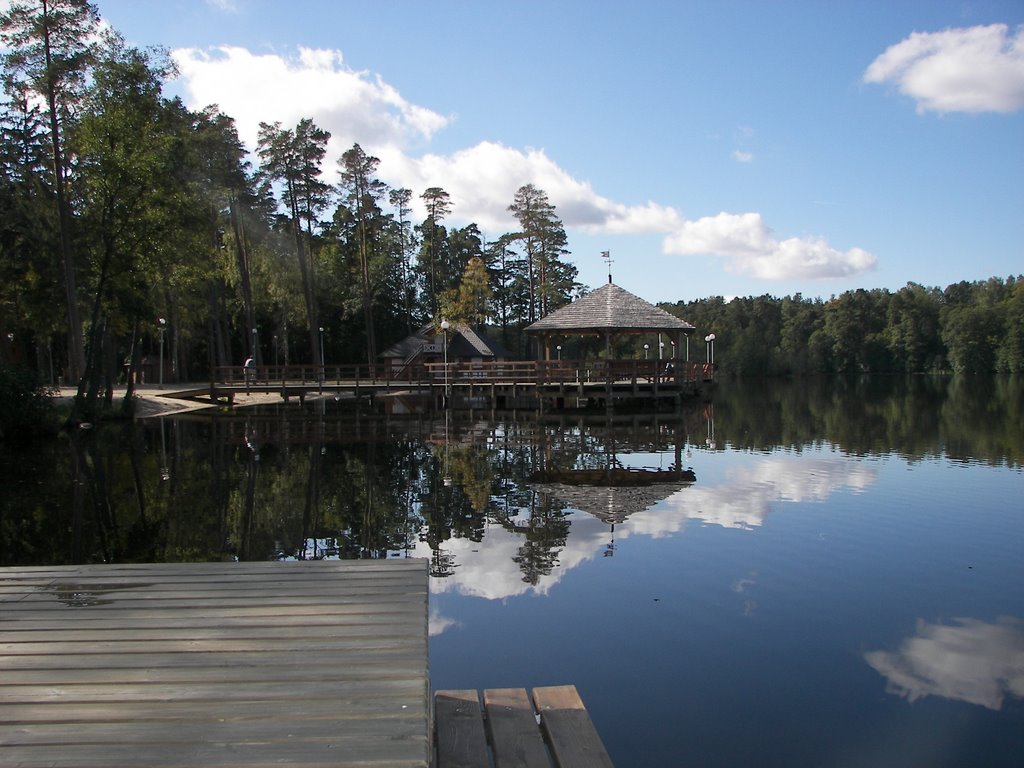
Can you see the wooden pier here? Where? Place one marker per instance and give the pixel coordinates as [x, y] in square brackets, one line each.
[556, 383]
[510, 731]
[215, 664]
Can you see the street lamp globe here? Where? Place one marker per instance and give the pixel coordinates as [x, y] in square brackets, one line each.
[710, 350]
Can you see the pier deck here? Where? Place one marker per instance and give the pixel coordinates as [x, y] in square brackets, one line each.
[511, 730]
[555, 382]
[215, 664]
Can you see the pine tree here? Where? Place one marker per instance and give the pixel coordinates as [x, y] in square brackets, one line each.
[49, 50]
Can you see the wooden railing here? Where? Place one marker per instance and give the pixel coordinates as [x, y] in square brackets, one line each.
[538, 372]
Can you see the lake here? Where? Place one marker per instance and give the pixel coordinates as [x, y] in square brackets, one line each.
[838, 582]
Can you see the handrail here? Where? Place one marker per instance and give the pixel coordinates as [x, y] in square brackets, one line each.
[540, 372]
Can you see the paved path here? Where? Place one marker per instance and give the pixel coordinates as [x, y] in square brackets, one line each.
[154, 400]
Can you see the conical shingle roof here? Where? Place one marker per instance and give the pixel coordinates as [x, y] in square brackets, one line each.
[609, 308]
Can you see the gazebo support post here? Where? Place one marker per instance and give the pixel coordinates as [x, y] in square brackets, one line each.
[608, 367]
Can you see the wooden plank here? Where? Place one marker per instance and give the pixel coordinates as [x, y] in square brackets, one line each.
[574, 740]
[224, 672]
[215, 664]
[515, 738]
[363, 704]
[461, 741]
[11, 664]
[376, 753]
[118, 631]
[341, 732]
[226, 645]
[44, 617]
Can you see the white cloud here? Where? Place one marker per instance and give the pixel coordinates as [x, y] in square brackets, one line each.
[975, 69]
[254, 88]
[481, 179]
[225, 6]
[357, 107]
[743, 157]
[752, 249]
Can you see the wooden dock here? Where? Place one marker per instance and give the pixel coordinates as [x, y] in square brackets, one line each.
[216, 664]
[509, 731]
[561, 384]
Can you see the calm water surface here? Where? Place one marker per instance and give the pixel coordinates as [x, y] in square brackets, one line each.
[840, 582]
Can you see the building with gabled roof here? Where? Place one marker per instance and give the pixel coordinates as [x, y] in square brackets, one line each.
[427, 345]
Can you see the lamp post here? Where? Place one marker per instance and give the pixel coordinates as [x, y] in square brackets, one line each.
[444, 329]
[163, 328]
[709, 351]
[646, 347]
[558, 350]
[322, 367]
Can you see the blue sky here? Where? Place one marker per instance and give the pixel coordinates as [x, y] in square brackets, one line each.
[714, 148]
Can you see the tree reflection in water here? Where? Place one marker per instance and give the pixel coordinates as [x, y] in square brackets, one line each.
[763, 606]
[351, 481]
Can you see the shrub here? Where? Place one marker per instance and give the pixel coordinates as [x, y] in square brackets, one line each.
[26, 405]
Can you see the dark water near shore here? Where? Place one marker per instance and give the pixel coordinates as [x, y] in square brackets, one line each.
[840, 582]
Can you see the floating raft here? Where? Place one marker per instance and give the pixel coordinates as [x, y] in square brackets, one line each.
[215, 664]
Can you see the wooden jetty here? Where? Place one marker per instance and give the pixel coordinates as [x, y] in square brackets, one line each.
[509, 384]
[554, 729]
[215, 664]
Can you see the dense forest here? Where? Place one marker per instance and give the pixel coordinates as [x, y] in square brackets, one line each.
[967, 328]
[131, 224]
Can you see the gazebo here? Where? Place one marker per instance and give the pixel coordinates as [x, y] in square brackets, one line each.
[608, 312]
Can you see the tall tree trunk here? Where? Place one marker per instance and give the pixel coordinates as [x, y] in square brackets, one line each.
[132, 367]
[218, 354]
[307, 287]
[244, 269]
[76, 357]
[88, 386]
[371, 336]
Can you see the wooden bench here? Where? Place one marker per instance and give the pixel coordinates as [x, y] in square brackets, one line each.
[509, 732]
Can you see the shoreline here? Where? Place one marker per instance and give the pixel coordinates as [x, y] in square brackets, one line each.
[153, 400]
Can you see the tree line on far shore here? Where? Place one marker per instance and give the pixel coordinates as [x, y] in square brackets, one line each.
[968, 327]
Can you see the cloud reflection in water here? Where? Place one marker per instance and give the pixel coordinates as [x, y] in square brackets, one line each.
[973, 661]
[487, 568]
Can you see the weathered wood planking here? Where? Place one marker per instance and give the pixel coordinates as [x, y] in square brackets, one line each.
[510, 731]
[461, 741]
[513, 725]
[215, 664]
[573, 738]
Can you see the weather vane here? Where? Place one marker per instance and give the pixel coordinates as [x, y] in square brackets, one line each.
[607, 256]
